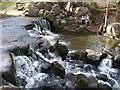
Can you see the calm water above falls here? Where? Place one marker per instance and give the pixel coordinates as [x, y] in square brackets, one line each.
[82, 41]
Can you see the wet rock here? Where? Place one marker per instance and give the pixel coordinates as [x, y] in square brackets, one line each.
[93, 55]
[33, 11]
[52, 39]
[111, 81]
[79, 64]
[48, 6]
[40, 5]
[56, 69]
[82, 76]
[92, 81]
[6, 62]
[50, 16]
[70, 76]
[56, 10]
[117, 58]
[81, 83]
[88, 68]
[116, 62]
[29, 26]
[81, 11]
[74, 55]
[102, 86]
[61, 49]
[8, 69]
[102, 77]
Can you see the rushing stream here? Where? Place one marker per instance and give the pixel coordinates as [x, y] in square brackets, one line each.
[29, 68]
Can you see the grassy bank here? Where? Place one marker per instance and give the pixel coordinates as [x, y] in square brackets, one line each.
[4, 5]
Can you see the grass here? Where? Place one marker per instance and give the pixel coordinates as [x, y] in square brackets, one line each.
[4, 5]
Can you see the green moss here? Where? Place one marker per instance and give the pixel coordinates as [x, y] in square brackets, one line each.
[4, 5]
[81, 83]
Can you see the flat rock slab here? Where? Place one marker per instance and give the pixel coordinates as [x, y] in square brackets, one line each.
[13, 32]
[13, 35]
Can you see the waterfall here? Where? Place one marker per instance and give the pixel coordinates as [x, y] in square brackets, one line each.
[29, 68]
[106, 65]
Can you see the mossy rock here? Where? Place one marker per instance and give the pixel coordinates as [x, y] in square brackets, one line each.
[81, 83]
[61, 49]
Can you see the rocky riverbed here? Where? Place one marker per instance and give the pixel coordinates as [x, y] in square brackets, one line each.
[35, 57]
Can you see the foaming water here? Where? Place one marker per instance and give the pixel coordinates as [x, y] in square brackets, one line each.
[28, 68]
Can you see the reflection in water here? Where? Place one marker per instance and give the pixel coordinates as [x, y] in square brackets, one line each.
[81, 41]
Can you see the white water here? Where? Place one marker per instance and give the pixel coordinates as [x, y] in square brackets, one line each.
[30, 69]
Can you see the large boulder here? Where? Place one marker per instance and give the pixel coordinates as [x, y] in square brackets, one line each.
[56, 10]
[33, 11]
[79, 11]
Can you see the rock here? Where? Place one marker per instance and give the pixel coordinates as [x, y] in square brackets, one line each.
[63, 22]
[29, 26]
[116, 62]
[52, 39]
[92, 82]
[111, 81]
[102, 86]
[110, 31]
[68, 6]
[56, 10]
[40, 5]
[102, 77]
[20, 5]
[88, 68]
[79, 64]
[77, 4]
[33, 11]
[93, 55]
[70, 76]
[41, 12]
[7, 69]
[61, 4]
[56, 69]
[81, 11]
[49, 15]
[28, 5]
[82, 76]
[74, 56]
[81, 83]
[61, 49]
[117, 58]
[48, 6]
